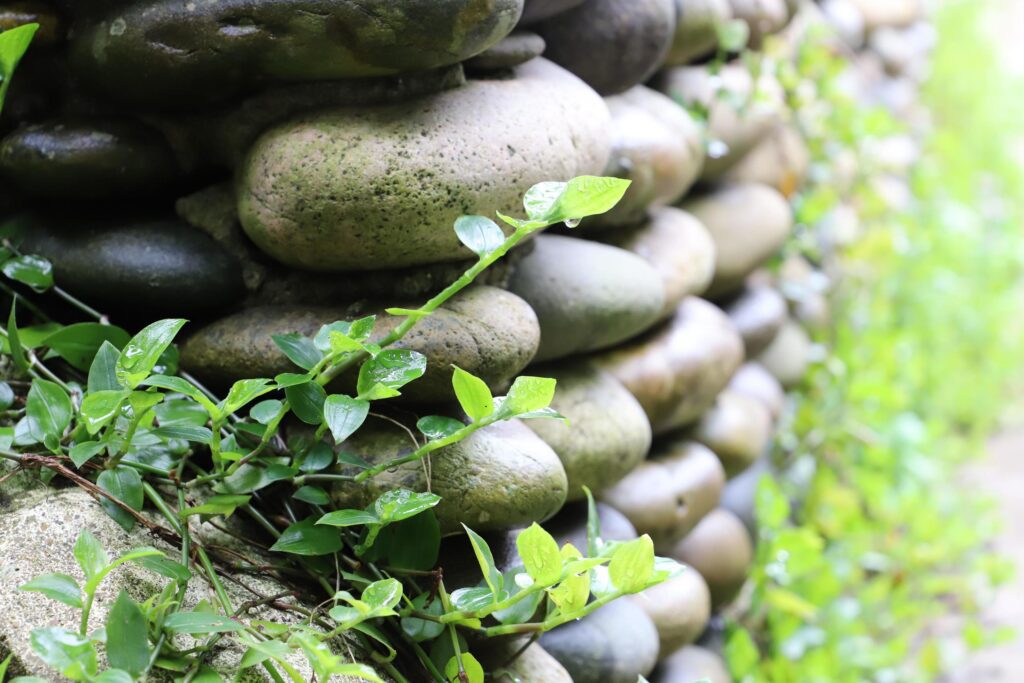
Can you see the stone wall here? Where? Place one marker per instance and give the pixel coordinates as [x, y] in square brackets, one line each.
[268, 167]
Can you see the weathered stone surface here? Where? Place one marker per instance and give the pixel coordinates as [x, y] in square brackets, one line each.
[657, 146]
[754, 381]
[167, 266]
[740, 494]
[179, 53]
[758, 312]
[536, 10]
[846, 19]
[112, 159]
[611, 44]
[878, 13]
[738, 429]
[532, 665]
[749, 223]
[366, 188]
[780, 161]
[608, 433]
[587, 296]
[671, 492]
[570, 525]
[740, 111]
[720, 548]
[500, 477]
[764, 17]
[486, 331]
[51, 29]
[678, 246]
[680, 609]
[691, 664]
[697, 31]
[615, 644]
[515, 49]
[37, 535]
[677, 370]
[788, 356]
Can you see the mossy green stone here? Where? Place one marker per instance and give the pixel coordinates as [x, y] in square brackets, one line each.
[608, 433]
[486, 331]
[500, 477]
[587, 296]
[89, 160]
[365, 188]
[180, 53]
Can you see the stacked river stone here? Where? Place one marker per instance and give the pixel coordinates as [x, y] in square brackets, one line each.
[264, 167]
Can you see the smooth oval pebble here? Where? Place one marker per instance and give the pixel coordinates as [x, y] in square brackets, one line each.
[532, 665]
[692, 663]
[90, 160]
[740, 494]
[788, 356]
[678, 246]
[617, 643]
[52, 28]
[668, 494]
[749, 224]
[680, 609]
[758, 312]
[781, 161]
[721, 549]
[696, 33]
[536, 10]
[677, 370]
[738, 429]
[754, 381]
[879, 13]
[763, 17]
[657, 146]
[365, 188]
[156, 266]
[486, 331]
[501, 476]
[608, 433]
[587, 296]
[180, 53]
[611, 44]
[513, 50]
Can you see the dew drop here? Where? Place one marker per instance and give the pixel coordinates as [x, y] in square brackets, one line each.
[573, 222]
[717, 149]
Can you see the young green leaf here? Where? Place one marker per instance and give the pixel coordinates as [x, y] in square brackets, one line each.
[164, 567]
[422, 630]
[99, 408]
[184, 432]
[89, 553]
[181, 386]
[587, 196]
[473, 670]
[473, 394]
[265, 411]
[392, 368]
[6, 396]
[344, 415]
[49, 408]
[480, 234]
[528, 395]
[539, 552]
[59, 587]
[242, 393]
[307, 402]
[125, 484]
[103, 370]
[437, 427]
[399, 504]
[13, 44]
[13, 338]
[299, 350]
[78, 344]
[485, 559]
[116, 676]
[571, 595]
[383, 595]
[141, 354]
[82, 453]
[306, 538]
[224, 505]
[539, 201]
[127, 640]
[201, 623]
[632, 565]
[73, 655]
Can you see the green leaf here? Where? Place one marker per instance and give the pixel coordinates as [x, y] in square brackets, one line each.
[438, 427]
[422, 630]
[13, 44]
[485, 559]
[571, 595]
[89, 553]
[141, 354]
[78, 344]
[528, 395]
[264, 412]
[593, 525]
[3, 667]
[480, 234]
[181, 386]
[318, 458]
[307, 402]
[50, 412]
[344, 415]
[733, 35]
[6, 396]
[300, 350]
[579, 198]
[250, 478]
[306, 538]
[539, 552]
[201, 622]
[34, 271]
[59, 587]
[392, 368]
[539, 201]
[73, 655]
[632, 565]
[412, 543]
[261, 650]
[399, 504]
[312, 495]
[472, 599]
[103, 371]
[474, 672]
[290, 379]
[473, 394]
[99, 408]
[164, 567]
[383, 595]
[114, 676]
[82, 453]
[244, 392]
[125, 484]
[127, 636]
[186, 432]
[13, 338]
[217, 505]
[347, 518]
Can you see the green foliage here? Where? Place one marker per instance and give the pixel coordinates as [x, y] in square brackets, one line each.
[13, 44]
